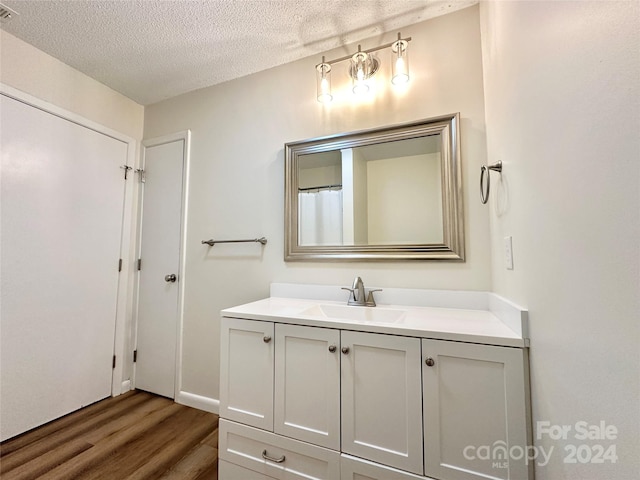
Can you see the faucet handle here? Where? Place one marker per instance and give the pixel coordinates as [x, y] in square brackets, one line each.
[370, 300]
[352, 290]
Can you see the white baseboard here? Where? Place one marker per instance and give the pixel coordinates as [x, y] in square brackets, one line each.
[126, 386]
[198, 401]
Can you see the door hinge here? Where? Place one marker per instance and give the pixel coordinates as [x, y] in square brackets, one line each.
[139, 264]
[113, 364]
[120, 265]
[142, 176]
[135, 356]
[126, 170]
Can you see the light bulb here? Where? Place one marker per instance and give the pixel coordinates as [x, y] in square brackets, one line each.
[359, 85]
[325, 91]
[401, 76]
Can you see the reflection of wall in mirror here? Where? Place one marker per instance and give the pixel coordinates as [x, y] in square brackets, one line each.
[319, 176]
[405, 200]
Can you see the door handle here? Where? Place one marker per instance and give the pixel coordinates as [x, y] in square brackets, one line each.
[170, 278]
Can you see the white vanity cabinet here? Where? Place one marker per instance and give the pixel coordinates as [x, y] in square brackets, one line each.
[306, 398]
[382, 399]
[475, 411]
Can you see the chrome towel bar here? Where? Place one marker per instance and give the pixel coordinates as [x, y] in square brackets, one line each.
[211, 243]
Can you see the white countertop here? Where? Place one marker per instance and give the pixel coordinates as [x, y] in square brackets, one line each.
[456, 324]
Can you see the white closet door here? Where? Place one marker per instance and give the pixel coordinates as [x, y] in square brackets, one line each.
[159, 287]
[62, 210]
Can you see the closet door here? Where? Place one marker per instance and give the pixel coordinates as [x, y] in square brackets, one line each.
[62, 212]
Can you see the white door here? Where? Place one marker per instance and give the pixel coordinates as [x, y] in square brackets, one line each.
[159, 294]
[62, 211]
[246, 372]
[474, 402]
[382, 399]
[307, 384]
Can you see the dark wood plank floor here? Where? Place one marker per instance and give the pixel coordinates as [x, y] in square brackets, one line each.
[134, 436]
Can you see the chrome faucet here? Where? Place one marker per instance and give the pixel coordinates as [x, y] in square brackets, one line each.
[358, 294]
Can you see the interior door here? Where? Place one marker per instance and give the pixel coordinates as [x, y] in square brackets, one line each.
[62, 209]
[159, 280]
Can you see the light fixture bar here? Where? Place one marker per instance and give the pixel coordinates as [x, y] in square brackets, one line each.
[370, 50]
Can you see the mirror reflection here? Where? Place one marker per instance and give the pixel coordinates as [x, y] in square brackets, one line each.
[389, 193]
[381, 194]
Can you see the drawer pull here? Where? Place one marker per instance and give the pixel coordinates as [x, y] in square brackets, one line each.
[271, 459]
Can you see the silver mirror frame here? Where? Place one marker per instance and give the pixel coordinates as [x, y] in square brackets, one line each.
[452, 248]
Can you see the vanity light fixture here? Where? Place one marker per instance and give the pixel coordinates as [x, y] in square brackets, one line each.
[323, 78]
[362, 66]
[400, 62]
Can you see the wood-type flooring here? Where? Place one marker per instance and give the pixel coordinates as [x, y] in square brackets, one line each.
[135, 436]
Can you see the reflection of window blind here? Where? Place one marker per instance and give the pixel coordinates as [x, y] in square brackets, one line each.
[320, 218]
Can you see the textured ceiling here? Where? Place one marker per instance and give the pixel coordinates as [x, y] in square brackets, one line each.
[150, 50]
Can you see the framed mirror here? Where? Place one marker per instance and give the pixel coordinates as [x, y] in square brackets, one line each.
[392, 193]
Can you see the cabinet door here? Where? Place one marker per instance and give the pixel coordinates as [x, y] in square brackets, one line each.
[382, 399]
[474, 396]
[307, 385]
[246, 372]
[352, 468]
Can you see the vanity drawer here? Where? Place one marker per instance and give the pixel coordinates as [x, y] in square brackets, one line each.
[230, 471]
[287, 458]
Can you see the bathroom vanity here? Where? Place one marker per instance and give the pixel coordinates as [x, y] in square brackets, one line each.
[315, 389]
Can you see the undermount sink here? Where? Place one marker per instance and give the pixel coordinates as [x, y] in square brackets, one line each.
[363, 314]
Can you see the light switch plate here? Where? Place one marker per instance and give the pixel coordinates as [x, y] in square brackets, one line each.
[508, 253]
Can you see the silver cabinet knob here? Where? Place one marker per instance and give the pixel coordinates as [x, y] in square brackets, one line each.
[170, 278]
[430, 362]
[332, 348]
[266, 339]
[345, 350]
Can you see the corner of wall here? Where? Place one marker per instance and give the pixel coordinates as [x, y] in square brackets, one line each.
[36, 73]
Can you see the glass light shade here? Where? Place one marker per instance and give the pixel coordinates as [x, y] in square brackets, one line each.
[399, 63]
[360, 71]
[323, 82]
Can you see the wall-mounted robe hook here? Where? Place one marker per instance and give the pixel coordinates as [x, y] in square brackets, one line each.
[484, 192]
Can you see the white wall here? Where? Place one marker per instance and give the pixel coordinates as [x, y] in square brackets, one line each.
[32, 71]
[237, 175]
[405, 201]
[563, 105]
[25, 68]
